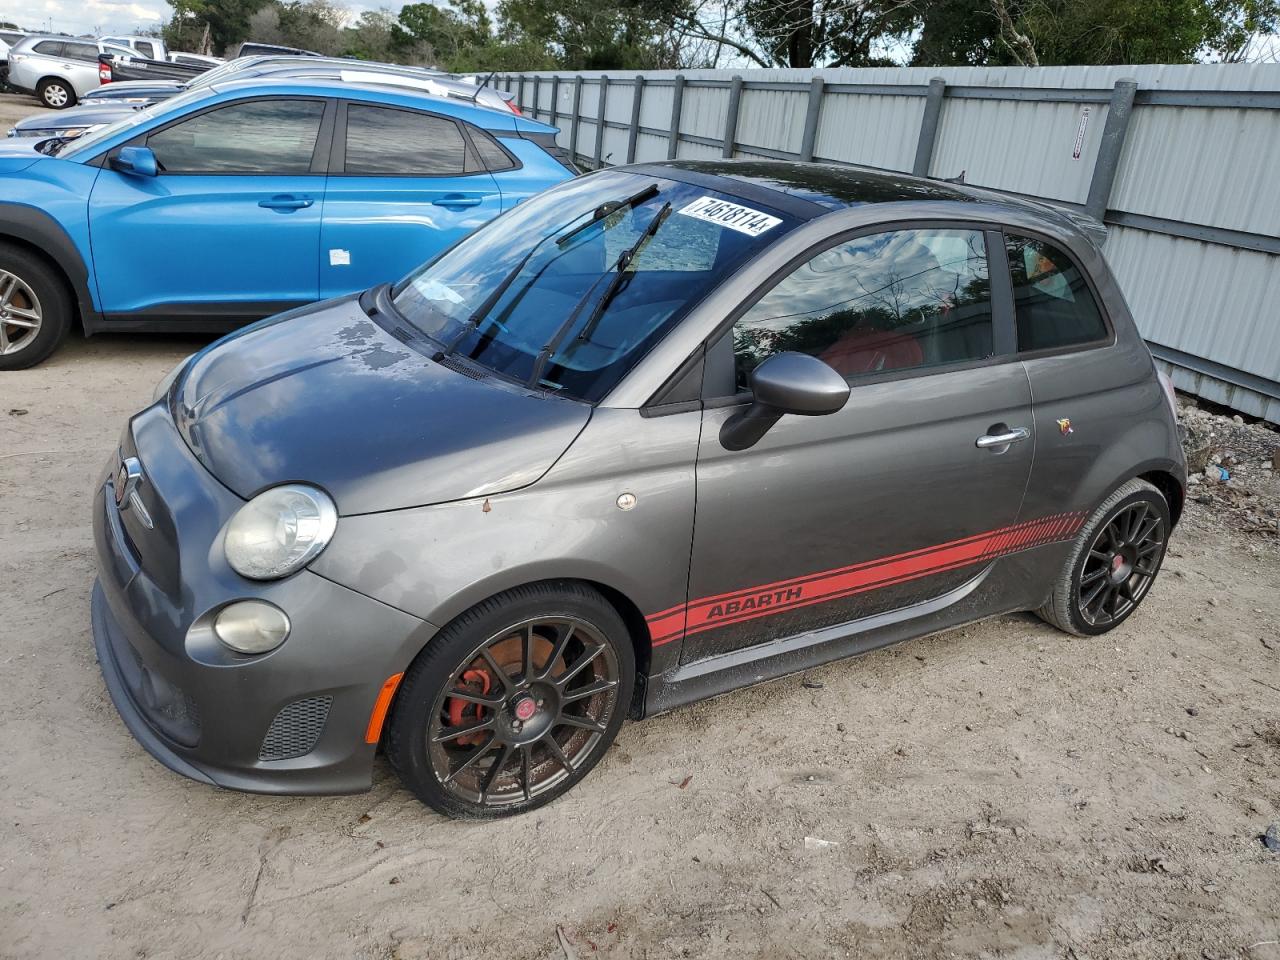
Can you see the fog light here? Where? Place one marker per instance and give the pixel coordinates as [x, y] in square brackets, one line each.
[251, 626]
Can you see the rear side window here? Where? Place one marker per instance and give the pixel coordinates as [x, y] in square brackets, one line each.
[81, 51]
[50, 48]
[385, 142]
[1053, 303]
[888, 301]
[259, 137]
[491, 155]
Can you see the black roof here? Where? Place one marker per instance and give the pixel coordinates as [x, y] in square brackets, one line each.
[831, 186]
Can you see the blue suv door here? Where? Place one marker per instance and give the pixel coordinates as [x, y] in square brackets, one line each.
[403, 185]
[229, 227]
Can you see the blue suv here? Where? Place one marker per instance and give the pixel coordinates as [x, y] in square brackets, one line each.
[227, 204]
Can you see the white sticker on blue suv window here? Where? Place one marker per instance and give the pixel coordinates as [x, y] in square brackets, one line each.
[731, 215]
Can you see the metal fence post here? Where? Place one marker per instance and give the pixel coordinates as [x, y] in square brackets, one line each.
[602, 105]
[555, 99]
[537, 84]
[520, 94]
[731, 117]
[577, 118]
[929, 127]
[810, 136]
[677, 103]
[1110, 147]
[633, 133]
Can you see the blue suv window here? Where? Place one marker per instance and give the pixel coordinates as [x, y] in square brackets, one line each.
[387, 142]
[258, 137]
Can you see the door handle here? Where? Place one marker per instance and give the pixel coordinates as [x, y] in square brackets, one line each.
[286, 203]
[993, 440]
[454, 200]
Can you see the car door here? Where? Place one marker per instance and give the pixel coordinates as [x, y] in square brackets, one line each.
[905, 495]
[80, 65]
[230, 226]
[403, 185]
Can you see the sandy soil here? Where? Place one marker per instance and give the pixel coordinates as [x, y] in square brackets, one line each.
[998, 791]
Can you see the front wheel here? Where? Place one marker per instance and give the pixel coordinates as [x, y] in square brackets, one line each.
[514, 702]
[56, 94]
[35, 308]
[1113, 562]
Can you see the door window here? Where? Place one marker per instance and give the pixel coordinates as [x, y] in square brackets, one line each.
[889, 301]
[146, 49]
[260, 137]
[50, 48]
[1052, 300]
[385, 142]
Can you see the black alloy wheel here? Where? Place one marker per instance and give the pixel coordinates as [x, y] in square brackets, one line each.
[1112, 563]
[505, 724]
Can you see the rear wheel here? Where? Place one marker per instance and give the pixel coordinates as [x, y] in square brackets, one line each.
[1113, 562]
[514, 702]
[35, 309]
[56, 93]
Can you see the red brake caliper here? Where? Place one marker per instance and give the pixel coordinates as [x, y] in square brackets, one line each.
[458, 707]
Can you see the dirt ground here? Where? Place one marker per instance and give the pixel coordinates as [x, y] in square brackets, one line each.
[997, 791]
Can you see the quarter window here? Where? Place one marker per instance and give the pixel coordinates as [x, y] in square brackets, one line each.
[888, 301]
[493, 156]
[262, 137]
[50, 48]
[382, 142]
[1052, 301]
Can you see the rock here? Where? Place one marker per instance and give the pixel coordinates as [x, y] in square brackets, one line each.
[1271, 839]
[1192, 712]
[1238, 419]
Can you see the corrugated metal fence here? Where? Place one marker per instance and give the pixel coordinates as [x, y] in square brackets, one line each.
[1183, 163]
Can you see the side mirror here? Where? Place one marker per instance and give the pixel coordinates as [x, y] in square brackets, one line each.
[793, 383]
[139, 161]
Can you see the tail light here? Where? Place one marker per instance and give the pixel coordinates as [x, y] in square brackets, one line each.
[104, 73]
[514, 108]
[1169, 393]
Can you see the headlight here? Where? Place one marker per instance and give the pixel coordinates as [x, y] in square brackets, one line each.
[279, 531]
[166, 382]
[251, 626]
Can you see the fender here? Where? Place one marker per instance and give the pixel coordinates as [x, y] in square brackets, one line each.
[32, 226]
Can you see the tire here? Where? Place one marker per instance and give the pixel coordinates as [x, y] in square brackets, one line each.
[1106, 577]
[569, 667]
[55, 93]
[28, 284]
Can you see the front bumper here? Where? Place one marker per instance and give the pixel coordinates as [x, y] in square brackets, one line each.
[291, 721]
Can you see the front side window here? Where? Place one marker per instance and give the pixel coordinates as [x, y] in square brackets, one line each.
[567, 291]
[1051, 298]
[386, 142]
[888, 301]
[259, 137]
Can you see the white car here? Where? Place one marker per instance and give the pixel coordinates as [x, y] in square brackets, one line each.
[152, 48]
[58, 70]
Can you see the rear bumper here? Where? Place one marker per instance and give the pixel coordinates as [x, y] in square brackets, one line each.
[292, 721]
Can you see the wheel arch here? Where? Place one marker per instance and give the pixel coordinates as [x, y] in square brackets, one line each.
[626, 607]
[38, 233]
[1171, 488]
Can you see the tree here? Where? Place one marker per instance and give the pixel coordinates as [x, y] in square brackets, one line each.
[447, 32]
[596, 34]
[227, 22]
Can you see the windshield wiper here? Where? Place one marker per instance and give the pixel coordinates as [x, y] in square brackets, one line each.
[615, 283]
[607, 208]
[604, 210]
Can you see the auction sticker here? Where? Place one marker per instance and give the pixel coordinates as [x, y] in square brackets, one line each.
[730, 215]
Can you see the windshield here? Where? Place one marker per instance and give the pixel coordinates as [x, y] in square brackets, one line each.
[569, 290]
[152, 112]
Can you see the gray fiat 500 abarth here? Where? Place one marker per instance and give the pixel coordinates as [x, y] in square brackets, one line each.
[660, 432]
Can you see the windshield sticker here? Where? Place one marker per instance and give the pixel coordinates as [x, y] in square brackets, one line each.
[731, 215]
[435, 290]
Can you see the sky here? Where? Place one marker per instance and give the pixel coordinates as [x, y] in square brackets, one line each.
[110, 16]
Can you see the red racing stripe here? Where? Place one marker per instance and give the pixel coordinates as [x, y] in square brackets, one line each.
[738, 606]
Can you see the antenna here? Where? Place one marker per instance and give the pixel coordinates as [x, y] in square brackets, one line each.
[483, 83]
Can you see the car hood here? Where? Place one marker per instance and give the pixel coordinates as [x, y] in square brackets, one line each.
[17, 154]
[134, 88]
[325, 395]
[82, 116]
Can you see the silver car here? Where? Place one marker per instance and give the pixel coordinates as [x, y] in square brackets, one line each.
[58, 70]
